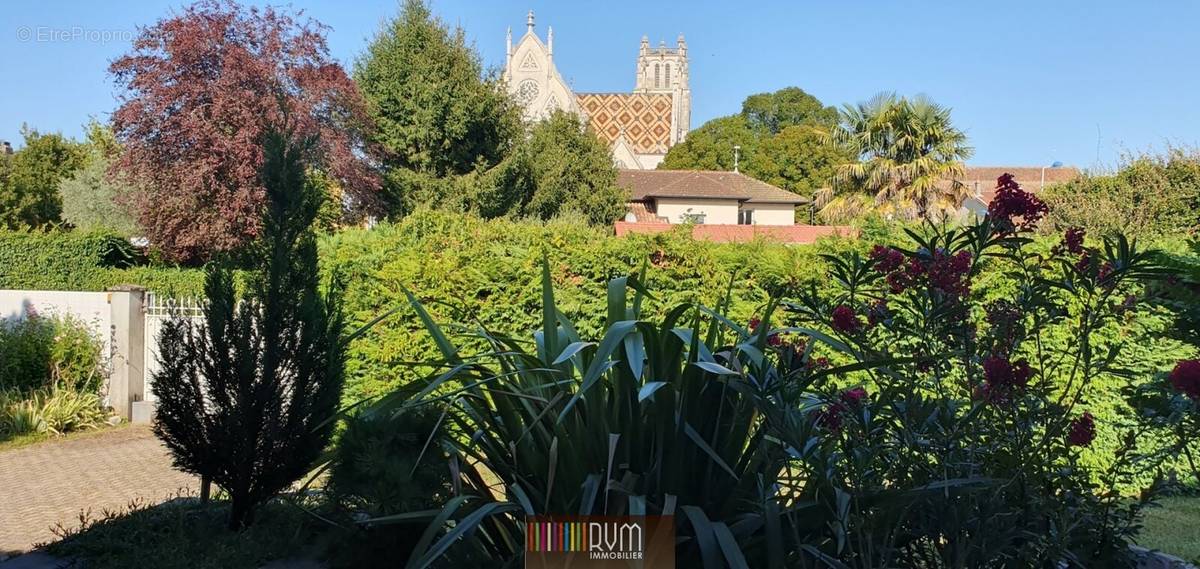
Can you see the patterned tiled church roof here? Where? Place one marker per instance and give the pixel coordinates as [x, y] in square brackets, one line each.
[644, 118]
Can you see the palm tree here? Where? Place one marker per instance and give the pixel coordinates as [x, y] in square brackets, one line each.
[910, 158]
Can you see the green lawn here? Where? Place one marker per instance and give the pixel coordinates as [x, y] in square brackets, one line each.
[1174, 527]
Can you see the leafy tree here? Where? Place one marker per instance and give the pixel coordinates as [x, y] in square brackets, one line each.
[1149, 196]
[571, 169]
[790, 106]
[436, 113]
[200, 89]
[29, 179]
[90, 197]
[245, 396]
[710, 147]
[909, 158]
[797, 159]
[779, 140]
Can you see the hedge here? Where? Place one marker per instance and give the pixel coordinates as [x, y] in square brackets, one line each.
[62, 260]
[479, 273]
[487, 273]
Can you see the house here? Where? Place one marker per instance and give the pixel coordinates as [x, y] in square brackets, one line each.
[706, 197]
[721, 206]
[981, 183]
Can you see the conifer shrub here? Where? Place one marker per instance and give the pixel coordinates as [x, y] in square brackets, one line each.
[247, 394]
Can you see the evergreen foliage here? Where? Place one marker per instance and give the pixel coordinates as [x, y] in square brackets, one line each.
[435, 113]
[245, 396]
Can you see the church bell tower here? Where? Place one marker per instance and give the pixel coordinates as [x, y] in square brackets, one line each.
[664, 70]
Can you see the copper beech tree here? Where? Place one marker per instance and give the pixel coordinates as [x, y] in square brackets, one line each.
[200, 88]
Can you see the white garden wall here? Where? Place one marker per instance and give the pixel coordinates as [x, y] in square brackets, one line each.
[115, 318]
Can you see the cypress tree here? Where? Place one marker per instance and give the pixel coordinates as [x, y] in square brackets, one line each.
[244, 396]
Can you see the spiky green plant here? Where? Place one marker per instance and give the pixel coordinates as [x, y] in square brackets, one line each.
[654, 418]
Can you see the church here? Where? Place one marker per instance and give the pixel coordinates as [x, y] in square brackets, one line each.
[639, 126]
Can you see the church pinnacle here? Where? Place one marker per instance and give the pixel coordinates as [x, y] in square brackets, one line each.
[529, 22]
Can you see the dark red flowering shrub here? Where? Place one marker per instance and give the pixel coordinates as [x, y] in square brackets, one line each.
[1185, 378]
[1073, 240]
[946, 273]
[1082, 431]
[886, 259]
[830, 418]
[974, 398]
[855, 397]
[1014, 209]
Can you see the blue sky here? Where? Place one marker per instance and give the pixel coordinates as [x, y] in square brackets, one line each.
[1030, 82]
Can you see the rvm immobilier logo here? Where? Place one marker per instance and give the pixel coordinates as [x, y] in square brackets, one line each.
[585, 542]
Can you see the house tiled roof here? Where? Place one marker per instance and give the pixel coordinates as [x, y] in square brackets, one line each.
[794, 234]
[643, 118]
[981, 180]
[643, 214]
[703, 184]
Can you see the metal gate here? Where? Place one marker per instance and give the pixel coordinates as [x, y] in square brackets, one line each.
[158, 310]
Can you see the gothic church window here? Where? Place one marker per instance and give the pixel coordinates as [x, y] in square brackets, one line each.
[668, 82]
[657, 69]
[527, 91]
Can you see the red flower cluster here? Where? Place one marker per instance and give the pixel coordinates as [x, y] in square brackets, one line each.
[1082, 431]
[854, 397]
[1003, 378]
[845, 320]
[831, 416]
[773, 340]
[1011, 201]
[948, 273]
[1073, 240]
[1185, 378]
[886, 259]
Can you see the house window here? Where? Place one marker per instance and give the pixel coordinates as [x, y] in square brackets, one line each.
[689, 217]
[745, 217]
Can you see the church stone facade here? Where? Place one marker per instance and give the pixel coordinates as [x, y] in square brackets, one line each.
[639, 126]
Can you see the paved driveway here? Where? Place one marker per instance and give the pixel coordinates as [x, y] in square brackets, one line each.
[52, 482]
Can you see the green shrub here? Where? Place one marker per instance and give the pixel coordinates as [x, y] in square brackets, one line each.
[39, 352]
[387, 464]
[474, 271]
[951, 436]
[1148, 197]
[65, 260]
[52, 375]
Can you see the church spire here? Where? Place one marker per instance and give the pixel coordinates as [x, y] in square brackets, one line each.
[529, 22]
[550, 41]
